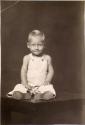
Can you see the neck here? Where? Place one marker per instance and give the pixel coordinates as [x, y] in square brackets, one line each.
[40, 55]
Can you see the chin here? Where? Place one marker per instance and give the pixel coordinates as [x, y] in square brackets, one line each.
[37, 54]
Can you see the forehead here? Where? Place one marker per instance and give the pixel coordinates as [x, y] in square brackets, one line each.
[37, 39]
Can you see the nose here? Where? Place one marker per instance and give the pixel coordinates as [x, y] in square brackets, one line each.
[36, 46]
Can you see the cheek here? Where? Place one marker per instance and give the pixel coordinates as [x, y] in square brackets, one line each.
[31, 48]
[41, 48]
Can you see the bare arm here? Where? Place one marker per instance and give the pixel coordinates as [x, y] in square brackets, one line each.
[24, 71]
[50, 72]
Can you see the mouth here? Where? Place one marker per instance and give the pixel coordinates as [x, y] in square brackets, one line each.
[36, 51]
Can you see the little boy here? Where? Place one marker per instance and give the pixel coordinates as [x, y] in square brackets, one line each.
[36, 72]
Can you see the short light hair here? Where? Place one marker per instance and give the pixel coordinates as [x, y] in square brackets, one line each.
[35, 33]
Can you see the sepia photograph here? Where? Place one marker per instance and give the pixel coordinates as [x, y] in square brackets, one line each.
[42, 62]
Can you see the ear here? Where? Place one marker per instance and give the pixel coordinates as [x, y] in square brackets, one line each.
[28, 46]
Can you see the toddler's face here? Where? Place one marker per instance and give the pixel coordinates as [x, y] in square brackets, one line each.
[36, 45]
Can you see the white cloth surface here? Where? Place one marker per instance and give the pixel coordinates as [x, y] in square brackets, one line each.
[42, 89]
[37, 70]
[18, 87]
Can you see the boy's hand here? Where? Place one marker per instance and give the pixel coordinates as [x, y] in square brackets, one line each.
[25, 85]
[29, 87]
[46, 83]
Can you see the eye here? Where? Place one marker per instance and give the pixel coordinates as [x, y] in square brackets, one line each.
[33, 44]
[40, 44]
[36, 45]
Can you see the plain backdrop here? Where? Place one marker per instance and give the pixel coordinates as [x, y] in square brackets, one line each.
[62, 23]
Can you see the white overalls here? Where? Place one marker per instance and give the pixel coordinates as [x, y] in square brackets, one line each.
[36, 75]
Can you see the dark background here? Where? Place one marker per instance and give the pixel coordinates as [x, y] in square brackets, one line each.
[62, 23]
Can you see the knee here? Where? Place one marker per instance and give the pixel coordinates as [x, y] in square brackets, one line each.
[48, 95]
[27, 96]
[18, 95]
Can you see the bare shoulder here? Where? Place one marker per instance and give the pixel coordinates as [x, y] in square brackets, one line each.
[48, 58]
[26, 58]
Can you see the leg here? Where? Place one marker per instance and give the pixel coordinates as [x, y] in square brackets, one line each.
[48, 95]
[45, 96]
[18, 95]
[27, 96]
[47, 91]
[18, 90]
[37, 97]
